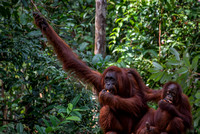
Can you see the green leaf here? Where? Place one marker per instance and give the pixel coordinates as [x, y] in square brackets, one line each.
[20, 128]
[83, 46]
[153, 76]
[73, 118]
[175, 53]
[54, 120]
[195, 62]
[76, 113]
[23, 19]
[70, 106]
[196, 121]
[168, 5]
[182, 70]
[34, 33]
[157, 65]
[172, 3]
[75, 100]
[65, 121]
[154, 70]
[118, 20]
[183, 76]
[152, 52]
[156, 76]
[166, 77]
[197, 95]
[2, 128]
[159, 76]
[46, 122]
[136, 29]
[107, 58]
[173, 62]
[49, 129]
[186, 59]
[120, 24]
[96, 59]
[84, 108]
[61, 109]
[63, 116]
[132, 22]
[41, 130]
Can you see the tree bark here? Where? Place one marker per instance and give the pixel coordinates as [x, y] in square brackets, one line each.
[100, 27]
[159, 41]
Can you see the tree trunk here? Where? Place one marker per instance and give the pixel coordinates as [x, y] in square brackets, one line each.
[100, 27]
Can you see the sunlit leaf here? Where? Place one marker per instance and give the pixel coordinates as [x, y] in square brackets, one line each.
[166, 77]
[195, 62]
[152, 52]
[175, 53]
[73, 118]
[157, 65]
[48, 129]
[154, 70]
[76, 113]
[75, 100]
[69, 108]
[182, 70]
[186, 59]
[173, 62]
[156, 76]
[159, 76]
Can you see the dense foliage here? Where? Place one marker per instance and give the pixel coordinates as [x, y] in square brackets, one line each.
[161, 39]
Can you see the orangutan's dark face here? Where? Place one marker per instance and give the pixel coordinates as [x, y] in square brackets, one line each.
[170, 93]
[110, 82]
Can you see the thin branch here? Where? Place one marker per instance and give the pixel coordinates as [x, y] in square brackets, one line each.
[35, 6]
[159, 40]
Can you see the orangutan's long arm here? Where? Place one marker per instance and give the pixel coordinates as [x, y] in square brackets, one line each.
[70, 60]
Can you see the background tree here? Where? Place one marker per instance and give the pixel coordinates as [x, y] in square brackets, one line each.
[100, 27]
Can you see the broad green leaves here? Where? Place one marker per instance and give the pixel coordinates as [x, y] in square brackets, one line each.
[176, 68]
[195, 62]
[69, 114]
[175, 53]
[157, 66]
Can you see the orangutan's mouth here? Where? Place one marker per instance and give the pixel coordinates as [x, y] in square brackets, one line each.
[112, 91]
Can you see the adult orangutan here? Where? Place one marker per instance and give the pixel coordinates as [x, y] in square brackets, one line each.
[120, 90]
[173, 115]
